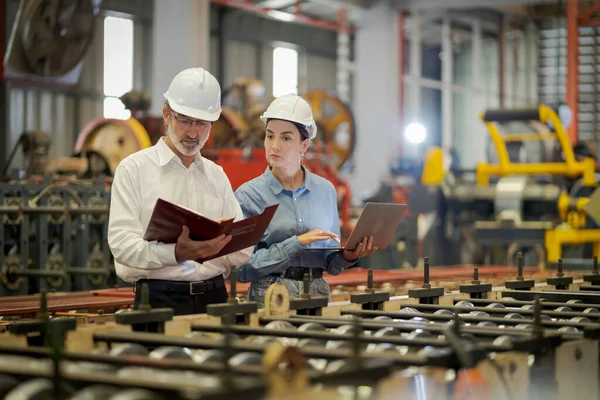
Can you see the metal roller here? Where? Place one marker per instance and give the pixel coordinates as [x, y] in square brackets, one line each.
[318, 364]
[38, 388]
[245, 358]
[197, 335]
[171, 352]
[212, 355]
[280, 325]
[311, 326]
[463, 303]
[95, 392]
[337, 366]
[380, 347]
[136, 394]
[513, 316]
[389, 331]
[264, 339]
[310, 342]
[129, 349]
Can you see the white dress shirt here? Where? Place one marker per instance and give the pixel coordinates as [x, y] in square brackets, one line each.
[139, 181]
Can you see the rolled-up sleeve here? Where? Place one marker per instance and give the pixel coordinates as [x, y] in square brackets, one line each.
[125, 231]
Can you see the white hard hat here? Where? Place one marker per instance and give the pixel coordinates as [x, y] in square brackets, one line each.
[293, 108]
[194, 92]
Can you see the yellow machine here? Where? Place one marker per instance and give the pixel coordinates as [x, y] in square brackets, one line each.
[528, 203]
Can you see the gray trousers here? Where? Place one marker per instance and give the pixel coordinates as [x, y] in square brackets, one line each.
[258, 289]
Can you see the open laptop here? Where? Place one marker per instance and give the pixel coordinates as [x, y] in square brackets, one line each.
[379, 220]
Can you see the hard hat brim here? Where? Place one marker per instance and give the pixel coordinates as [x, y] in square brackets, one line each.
[192, 112]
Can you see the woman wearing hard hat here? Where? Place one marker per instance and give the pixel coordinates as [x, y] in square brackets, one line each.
[307, 214]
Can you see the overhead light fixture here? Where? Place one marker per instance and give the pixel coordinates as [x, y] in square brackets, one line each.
[415, 133]
[282, 16]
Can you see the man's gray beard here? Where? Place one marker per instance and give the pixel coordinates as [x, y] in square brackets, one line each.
[186, 151]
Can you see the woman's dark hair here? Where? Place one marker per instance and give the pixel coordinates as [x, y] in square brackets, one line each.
[301, 128]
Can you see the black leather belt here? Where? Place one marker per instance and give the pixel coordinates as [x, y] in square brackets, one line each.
[297, 273]
[192, 288]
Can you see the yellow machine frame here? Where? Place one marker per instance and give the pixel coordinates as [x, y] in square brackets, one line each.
[571, 167]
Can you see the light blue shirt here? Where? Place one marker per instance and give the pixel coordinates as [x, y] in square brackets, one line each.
[311, 206]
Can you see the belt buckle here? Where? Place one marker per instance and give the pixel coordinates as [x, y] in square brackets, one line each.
[192, 293]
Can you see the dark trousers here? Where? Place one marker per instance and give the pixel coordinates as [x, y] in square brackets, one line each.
[183, 303]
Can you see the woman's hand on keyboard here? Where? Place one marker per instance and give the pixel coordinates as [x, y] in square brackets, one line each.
[317, 235]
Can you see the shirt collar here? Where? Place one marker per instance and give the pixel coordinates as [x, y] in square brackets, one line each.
[165, 154]
[277, 187]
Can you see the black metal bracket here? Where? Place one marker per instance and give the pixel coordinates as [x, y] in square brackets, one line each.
[476, 289]
[146, 319]
[560, 281]
[594, 278]
[520, 283]
[426, 294]
[233, 312]
[371, 300]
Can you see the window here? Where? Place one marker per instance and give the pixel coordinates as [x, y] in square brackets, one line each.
[285, 71]
[118, 65]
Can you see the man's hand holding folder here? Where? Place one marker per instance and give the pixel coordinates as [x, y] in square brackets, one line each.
[188, 249]
[201, 239]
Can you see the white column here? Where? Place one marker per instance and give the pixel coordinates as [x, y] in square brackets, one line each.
[447, 77]
[375, 105]
[413, 92]
[415, 66]
[344, 67]
[181, 39]
[478, 102]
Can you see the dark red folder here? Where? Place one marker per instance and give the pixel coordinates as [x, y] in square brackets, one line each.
[168, 219]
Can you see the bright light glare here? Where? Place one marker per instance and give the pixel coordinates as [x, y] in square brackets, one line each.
[415, 133]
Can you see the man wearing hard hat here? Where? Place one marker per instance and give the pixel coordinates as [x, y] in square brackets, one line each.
[174, 170]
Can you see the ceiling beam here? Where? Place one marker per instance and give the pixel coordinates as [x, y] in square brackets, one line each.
[276, 4]
[428, 4]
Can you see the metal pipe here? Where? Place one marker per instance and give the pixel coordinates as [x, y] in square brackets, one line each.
[157, 340]
[572, 66]
[292, 333]
[402, 62]
[467, 318]
[53, 209]
[123, 361]
[437, 328]
[501, 61]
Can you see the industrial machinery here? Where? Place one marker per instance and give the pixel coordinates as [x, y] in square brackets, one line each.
[514, 205]
[54, 213]
[525, 338]
[53, 235]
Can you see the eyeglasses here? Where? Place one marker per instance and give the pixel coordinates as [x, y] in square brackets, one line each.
[190, 122]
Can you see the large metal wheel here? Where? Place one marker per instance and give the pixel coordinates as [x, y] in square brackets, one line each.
[239, 128]
[113, 139]
[335, 125]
